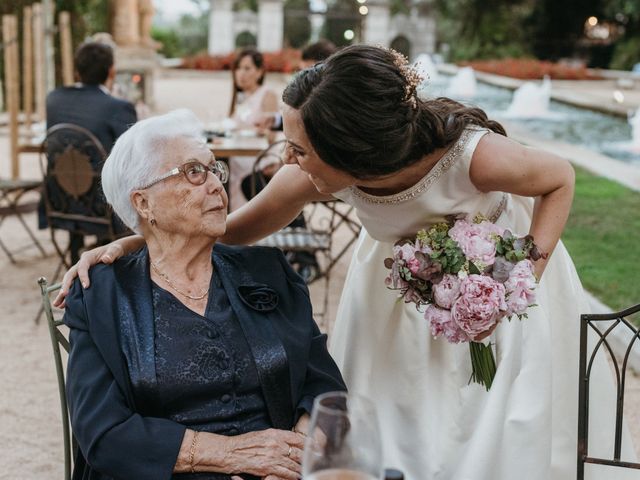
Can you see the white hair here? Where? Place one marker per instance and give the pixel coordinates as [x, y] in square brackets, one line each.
[137, 156]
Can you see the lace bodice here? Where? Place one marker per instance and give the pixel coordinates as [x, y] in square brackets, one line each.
[446, 189]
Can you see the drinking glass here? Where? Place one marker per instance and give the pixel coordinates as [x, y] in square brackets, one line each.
[343, 440]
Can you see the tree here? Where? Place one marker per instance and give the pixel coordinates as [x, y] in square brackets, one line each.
[483, 28]
[342, 15]
[297, 26]
[626, 13]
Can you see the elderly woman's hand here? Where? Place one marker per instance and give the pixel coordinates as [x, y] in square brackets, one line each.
[272, 454]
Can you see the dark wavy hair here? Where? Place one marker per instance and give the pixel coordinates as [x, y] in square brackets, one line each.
[258, 60]
[361, 119]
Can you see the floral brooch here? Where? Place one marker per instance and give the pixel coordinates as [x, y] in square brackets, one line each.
[261, 298]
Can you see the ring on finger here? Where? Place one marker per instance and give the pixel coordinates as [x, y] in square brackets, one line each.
[289, 452]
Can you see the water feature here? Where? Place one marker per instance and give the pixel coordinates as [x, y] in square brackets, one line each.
[635, 130]
[532, 100]
[593, 130]
[463, 85]
[632, 147]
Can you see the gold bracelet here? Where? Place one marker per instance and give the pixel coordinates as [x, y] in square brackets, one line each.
[192, 450]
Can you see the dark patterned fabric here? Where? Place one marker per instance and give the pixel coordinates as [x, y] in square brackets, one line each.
[206, 376]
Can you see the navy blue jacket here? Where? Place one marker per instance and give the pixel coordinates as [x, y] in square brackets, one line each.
[88, 106]
[112, 346]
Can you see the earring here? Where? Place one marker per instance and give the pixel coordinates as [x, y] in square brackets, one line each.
[152, 221]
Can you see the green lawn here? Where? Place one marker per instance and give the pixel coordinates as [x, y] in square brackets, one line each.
[603, 237]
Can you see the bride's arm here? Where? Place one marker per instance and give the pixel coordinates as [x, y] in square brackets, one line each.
[273, 208]
[501, 164]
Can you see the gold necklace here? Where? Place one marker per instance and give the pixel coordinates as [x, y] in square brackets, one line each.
[170, 283]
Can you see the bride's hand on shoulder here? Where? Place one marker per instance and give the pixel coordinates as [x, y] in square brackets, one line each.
[105, 254]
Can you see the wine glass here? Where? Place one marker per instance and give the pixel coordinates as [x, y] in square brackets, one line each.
[343, 439]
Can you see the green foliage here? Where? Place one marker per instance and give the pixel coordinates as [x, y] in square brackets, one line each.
[488, 28]
[246, 39]
[171, 47]
[400, 7]
[445, 251]
[601, 235]
[626, 54]
[193, 33]
[556, 26]
[341, 16]
[245, 5]
[297, 26]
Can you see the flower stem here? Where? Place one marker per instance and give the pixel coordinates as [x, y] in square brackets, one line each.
[483, 364]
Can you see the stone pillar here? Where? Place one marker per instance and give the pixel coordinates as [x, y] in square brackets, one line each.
[424, 39]
[376, 23]
[126, 23]
[270, 25]
[221, 41]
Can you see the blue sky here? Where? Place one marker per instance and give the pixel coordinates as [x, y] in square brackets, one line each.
[173, 9]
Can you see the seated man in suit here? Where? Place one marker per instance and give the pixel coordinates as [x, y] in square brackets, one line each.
[89, 104]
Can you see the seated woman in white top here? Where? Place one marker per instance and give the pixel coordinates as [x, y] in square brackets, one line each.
[251, 98]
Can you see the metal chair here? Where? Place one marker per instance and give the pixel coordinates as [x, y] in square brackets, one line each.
[58, 340]
[11, 204]
[71, 162]
[611, 322]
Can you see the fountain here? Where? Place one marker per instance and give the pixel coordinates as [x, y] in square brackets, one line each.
[463, 85]
[631, 148]
[531, 100]
[634, 121]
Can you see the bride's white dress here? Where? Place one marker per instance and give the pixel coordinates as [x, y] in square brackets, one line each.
[436, 426]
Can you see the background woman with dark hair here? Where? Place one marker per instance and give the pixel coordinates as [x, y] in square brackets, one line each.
[356, 130]
[251, 98]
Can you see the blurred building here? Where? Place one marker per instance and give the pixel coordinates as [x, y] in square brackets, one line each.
[411, 33]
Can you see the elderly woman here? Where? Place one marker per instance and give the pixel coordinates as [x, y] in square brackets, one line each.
[188, 360]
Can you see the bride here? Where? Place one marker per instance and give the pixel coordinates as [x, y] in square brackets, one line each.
[357, 130]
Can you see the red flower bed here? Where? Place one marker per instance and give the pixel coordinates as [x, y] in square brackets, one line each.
[529, 69]
[282, 61]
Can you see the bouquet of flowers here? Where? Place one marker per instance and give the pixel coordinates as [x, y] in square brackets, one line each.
[469, 275]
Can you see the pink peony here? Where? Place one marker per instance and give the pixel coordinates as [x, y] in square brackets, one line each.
[414, 266]
[476, 240]
[520, 288]
[406, 252]
[480, 306]
[441, 324]
[447, 291]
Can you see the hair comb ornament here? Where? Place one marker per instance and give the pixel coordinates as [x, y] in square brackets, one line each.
[411, 76]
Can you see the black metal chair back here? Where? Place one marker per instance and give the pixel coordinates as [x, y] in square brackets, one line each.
[59, 343]
[71, 158]
[603, 325]
[273, 153]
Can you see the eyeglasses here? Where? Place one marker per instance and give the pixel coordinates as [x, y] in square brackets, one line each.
[195, 173]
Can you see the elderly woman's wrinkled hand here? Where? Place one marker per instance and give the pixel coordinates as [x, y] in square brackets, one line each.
[105, 254]
[272, 453]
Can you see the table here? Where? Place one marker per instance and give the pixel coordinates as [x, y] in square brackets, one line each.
[238, 146]
[222, 147]
[11, 191]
